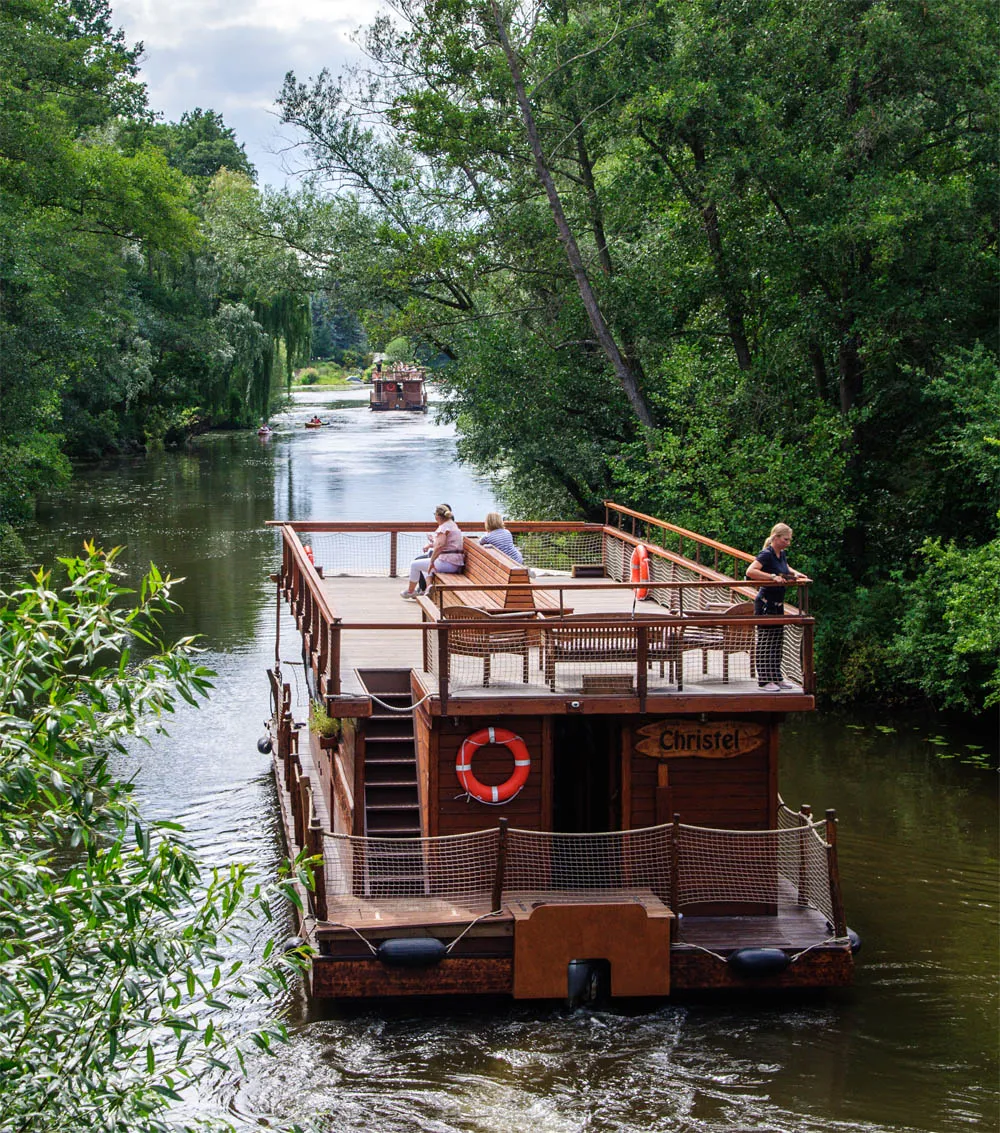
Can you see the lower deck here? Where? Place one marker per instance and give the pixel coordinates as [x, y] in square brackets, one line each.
[546, 925]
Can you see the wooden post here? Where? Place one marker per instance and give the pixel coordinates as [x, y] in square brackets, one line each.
[277, 625]
[501, 866]
[444, 662]
[315, 840]
[641, 655]
[675, 861]
[808, 669]
[393, 549]
[805, 815]
[836, 897]
[335, 634]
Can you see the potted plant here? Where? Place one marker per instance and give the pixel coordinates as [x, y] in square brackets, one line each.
[325, 727]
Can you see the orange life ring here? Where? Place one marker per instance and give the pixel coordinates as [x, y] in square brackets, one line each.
[506, 791]
[640, 570]
[390, 387]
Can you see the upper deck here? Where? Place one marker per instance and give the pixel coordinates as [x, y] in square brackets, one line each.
[580, 641]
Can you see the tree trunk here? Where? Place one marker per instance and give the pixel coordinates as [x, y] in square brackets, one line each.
[623, 371]
[730, 297]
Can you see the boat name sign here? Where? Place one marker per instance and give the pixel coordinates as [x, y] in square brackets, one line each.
[716, 739]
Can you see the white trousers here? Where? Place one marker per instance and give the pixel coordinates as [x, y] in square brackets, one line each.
[419, 566]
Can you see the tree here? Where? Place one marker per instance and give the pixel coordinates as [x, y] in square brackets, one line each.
[784, 214]
[116, 961]
[200, 145]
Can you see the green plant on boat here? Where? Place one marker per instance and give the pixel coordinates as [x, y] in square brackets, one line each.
[322, 723]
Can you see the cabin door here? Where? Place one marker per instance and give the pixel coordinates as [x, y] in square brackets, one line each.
[586, 779]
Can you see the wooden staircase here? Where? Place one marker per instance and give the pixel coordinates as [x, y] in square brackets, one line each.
[392, 802]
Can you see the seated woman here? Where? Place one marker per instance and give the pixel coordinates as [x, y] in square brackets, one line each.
[443, 555]
[500, 538]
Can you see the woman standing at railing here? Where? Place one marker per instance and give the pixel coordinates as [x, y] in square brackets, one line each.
[771, 565]
[443, 555]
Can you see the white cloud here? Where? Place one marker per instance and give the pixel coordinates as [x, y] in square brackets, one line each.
[232, 58]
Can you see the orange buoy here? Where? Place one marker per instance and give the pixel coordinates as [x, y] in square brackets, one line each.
[506, 791]
[640, 570]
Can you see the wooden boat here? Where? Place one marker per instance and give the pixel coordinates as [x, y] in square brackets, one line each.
[539, 786]
[400, 387]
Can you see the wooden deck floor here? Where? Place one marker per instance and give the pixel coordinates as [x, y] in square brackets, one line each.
[377, 601]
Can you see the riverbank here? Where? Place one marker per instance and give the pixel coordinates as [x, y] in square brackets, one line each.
[323, 376]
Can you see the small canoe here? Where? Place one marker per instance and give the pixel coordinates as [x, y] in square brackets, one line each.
[315, 424]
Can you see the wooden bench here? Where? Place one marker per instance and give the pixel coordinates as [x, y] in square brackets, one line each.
[486, 567]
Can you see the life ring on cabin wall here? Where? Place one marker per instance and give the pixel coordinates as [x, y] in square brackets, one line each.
[390, 387]
[505, 791]
[640, 570]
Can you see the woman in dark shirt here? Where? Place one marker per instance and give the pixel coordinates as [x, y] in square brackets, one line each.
[771, 565]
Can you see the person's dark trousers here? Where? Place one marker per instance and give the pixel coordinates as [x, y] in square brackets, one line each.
[769, 641]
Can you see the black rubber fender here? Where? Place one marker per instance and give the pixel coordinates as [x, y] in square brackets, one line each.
[758, 962]
[264, 744]
[412, 951]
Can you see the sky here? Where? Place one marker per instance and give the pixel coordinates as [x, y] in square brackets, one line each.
[232, 57]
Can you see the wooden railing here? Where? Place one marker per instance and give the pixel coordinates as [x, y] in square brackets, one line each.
[302, 588]
[704, 551]
[322, 628]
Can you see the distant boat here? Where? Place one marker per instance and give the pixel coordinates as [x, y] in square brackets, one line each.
[315, 423]
[264, 431]
[401, 387]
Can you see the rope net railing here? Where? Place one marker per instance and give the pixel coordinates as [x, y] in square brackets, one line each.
[369, 553]
[565, 865]
[560, 550]
[457, 876]
[788, 867]
[358, 554]
[599, 653]
[456, 869]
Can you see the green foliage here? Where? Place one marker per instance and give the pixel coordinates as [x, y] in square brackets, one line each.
[398, 350]
[948, 644]
[199, 145]
[322, 723]
[802, 274]
[125, 319]
[117, 956]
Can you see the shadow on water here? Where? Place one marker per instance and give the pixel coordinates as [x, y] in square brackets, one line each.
[912, 1047]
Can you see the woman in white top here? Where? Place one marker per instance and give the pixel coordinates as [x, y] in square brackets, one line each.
[443, 555]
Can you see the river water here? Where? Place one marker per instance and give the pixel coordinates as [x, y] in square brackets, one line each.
[913, 1046]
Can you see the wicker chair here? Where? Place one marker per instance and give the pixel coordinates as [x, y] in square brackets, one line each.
[727, 640]
[485, 641]
[612, 639]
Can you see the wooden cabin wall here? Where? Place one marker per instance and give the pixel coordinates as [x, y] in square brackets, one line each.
[738, 793]
[457, 814]
[422, 738]
[341, 815]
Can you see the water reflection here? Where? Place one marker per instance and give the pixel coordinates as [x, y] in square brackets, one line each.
[911, 1047]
